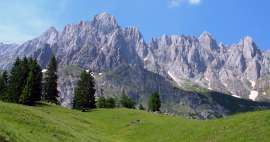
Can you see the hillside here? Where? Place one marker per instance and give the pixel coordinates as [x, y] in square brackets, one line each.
[50, 123]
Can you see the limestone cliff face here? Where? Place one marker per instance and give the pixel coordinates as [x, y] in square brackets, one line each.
[122, 61]
[233, 69]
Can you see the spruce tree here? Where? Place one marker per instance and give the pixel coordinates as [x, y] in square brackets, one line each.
[27, 96]
[3, 84]
[17, 80]
[50, 84]
[37, 79]
[18, 85]
[154, 102]
[84, 97]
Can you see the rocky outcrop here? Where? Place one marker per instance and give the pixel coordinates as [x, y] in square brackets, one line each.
[176, 66]
[231, 69]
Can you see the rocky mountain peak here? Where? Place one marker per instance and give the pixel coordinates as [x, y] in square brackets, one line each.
[50, 36]
[206, 40]
[249, 47]
[205, 36]
[133, 32]
[105, 22]
[248, 40]
[102, 45]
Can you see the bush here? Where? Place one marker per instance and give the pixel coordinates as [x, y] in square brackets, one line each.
[110, 103]
[102, 102]
[126, 102]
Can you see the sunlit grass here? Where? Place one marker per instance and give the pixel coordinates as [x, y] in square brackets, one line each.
[49, 123]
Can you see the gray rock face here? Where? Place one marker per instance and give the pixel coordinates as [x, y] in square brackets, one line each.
[233, 69]
[122, 61]
[7, 53]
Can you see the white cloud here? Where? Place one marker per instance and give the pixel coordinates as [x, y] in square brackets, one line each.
[176, 3]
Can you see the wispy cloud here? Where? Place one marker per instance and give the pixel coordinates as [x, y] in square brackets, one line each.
[176, 3]
[24, 20]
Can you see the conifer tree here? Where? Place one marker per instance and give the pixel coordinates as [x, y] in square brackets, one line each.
[27, 96]
[18, 85]
[84, 97]
[154, 102]
[37, 79]
[50, 85]
[3, 84]
[17, 80]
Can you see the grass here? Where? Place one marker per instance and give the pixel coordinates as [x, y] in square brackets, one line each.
[49, 123]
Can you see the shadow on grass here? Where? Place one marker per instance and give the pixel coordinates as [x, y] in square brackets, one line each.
[3, 139]
[86, 110]
[41, 104]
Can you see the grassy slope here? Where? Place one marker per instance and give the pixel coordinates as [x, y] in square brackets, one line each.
[52, 123]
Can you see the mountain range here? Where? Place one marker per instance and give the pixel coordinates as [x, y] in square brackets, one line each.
[196, 76]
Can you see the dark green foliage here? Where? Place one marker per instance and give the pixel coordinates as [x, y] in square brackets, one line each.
[50, 84]
[101, 102]
[126, 102]
[233, 104]
[84, 97]
[141, 107]
[110, 103]
[154, 103]
[19, 87]
[17, 80]
[3, 84]
[36, 71]
[27, 97]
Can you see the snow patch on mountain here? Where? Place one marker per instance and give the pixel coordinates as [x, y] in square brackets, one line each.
[253, 95]
[253, 83]
[236, 96]
[174, 78]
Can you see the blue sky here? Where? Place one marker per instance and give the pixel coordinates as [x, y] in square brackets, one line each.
[226, 20]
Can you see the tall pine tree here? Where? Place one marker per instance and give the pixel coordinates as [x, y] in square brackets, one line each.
[27, 96]
[17, 80]
[84, 97]
[3, 84]
[50, 84]
[18, 84]
[37, 79]
[154, 102]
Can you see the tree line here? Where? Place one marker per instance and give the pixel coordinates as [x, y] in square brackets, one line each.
[26, 84]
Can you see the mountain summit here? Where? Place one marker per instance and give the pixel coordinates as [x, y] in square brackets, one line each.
[105, 22]
[182, 68]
